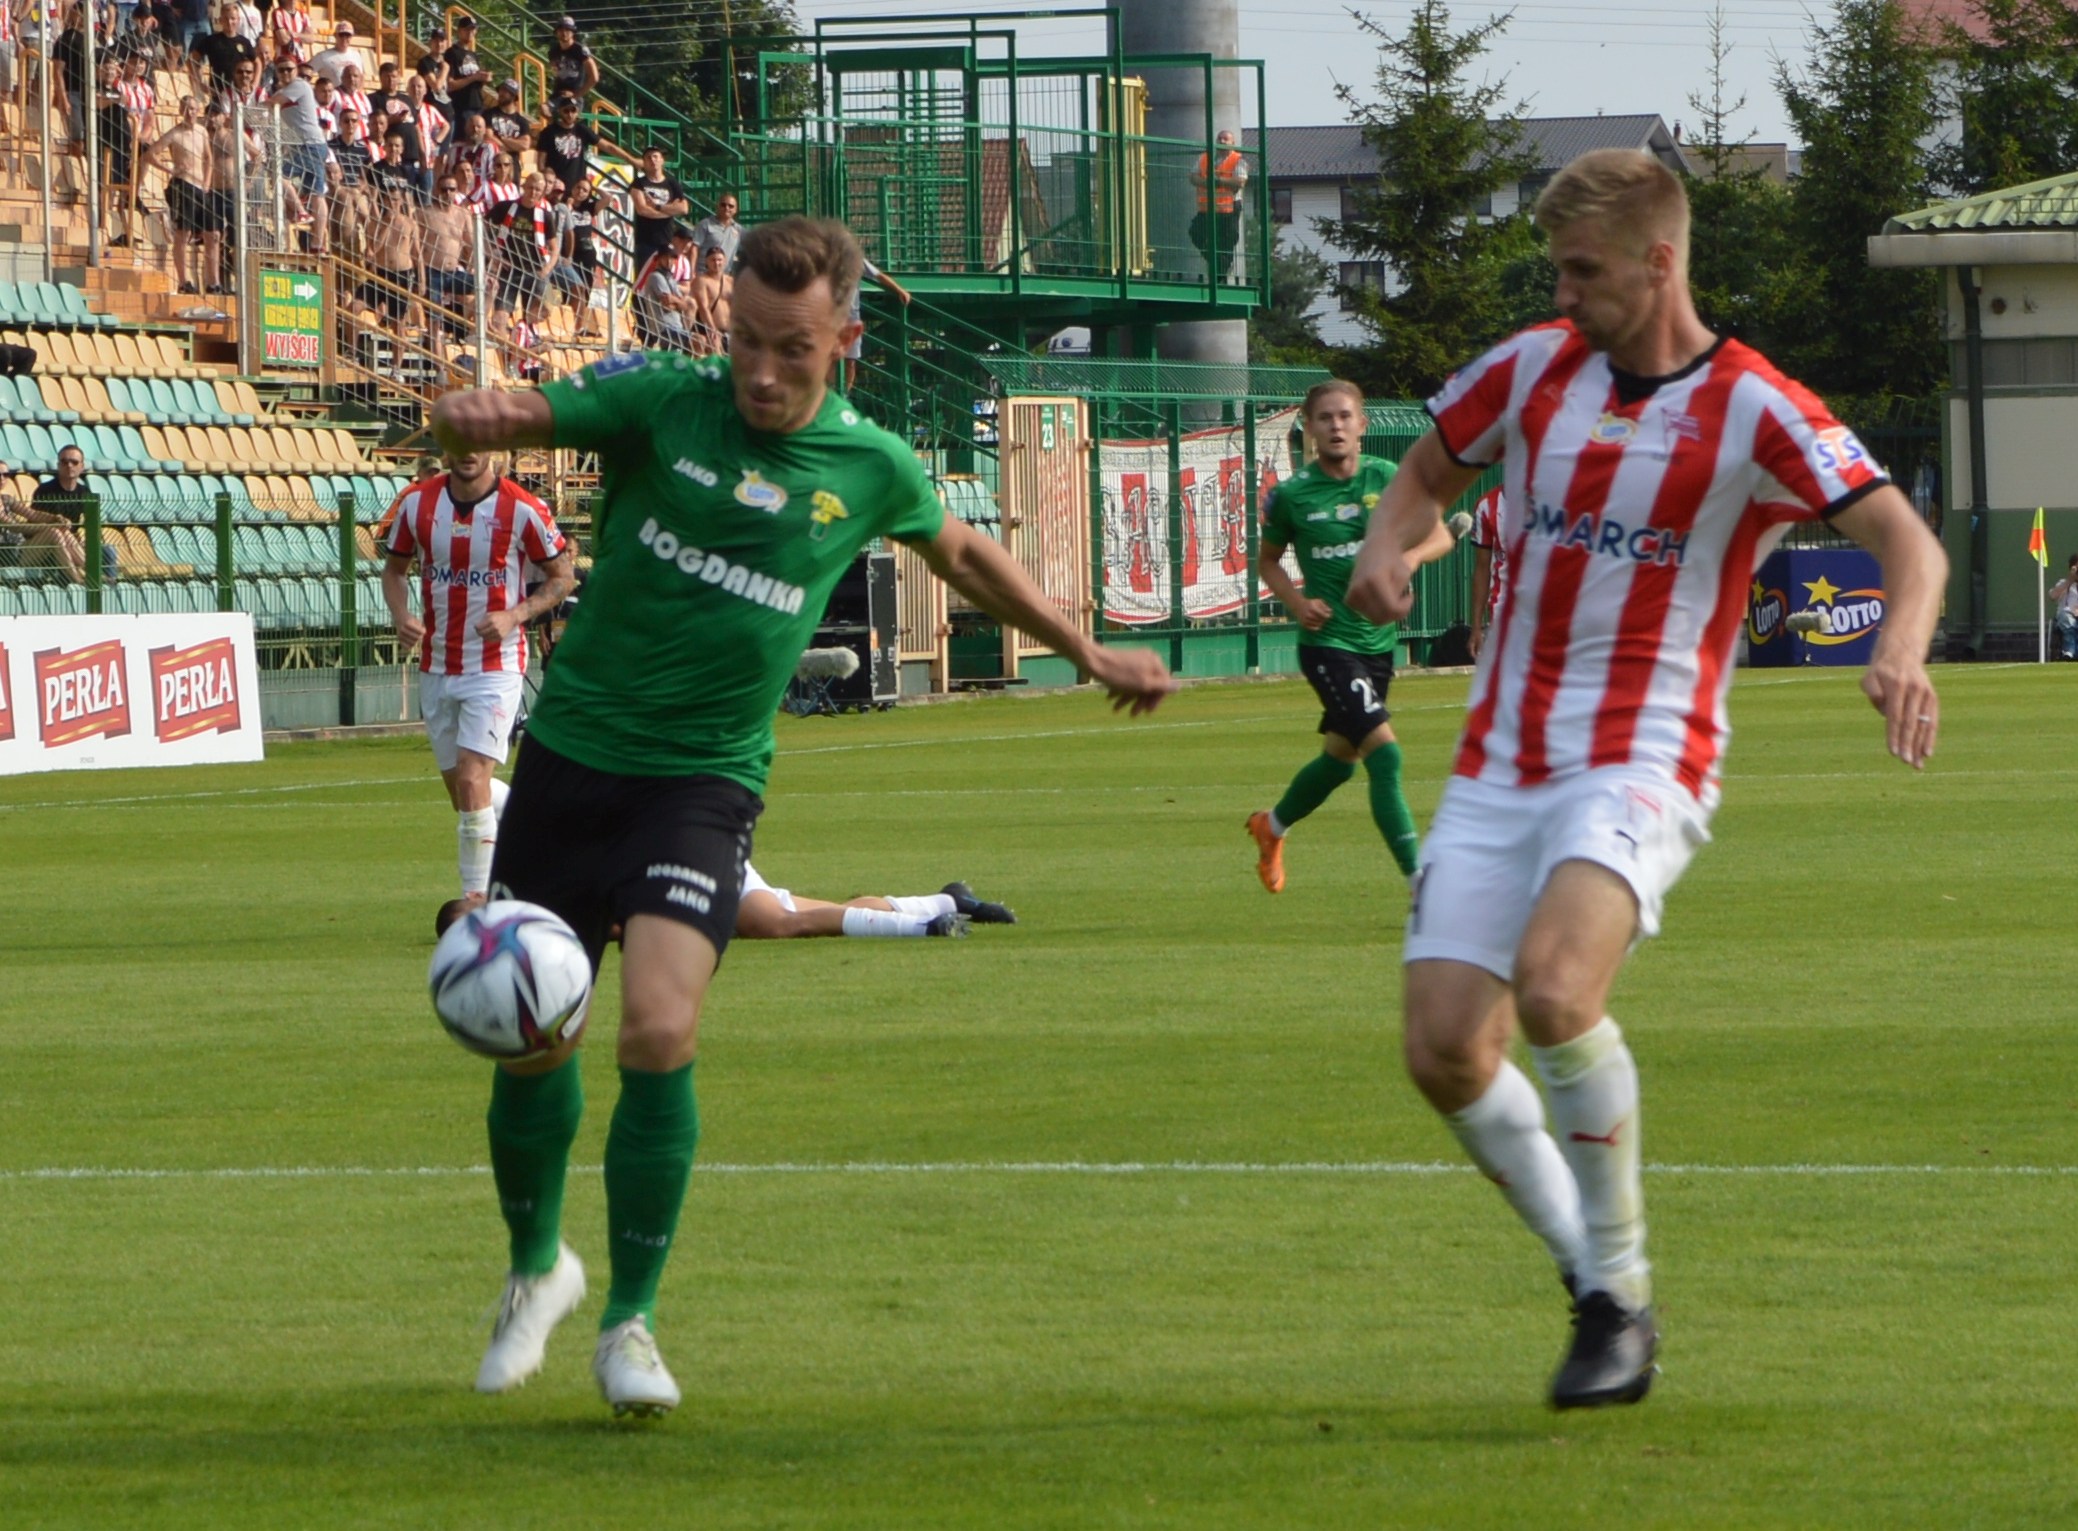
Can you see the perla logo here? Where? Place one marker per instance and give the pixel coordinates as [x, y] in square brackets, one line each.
[755, 492]
[705, 477]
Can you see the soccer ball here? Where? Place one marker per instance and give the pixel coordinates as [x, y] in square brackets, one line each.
[510, 980]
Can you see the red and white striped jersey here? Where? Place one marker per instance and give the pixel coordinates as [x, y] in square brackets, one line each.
[1488, 518]
[1637, 509]
[469, 566]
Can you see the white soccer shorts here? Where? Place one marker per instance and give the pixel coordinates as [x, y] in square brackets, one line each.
[1491, 849]
[469, 712]
[752, 883]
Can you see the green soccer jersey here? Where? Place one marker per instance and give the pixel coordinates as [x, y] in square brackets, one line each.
[1322, 521]
[714, 549]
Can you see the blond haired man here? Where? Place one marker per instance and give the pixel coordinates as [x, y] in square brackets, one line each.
[1648, 465]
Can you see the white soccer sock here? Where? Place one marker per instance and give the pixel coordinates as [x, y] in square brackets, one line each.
[1504, 1133]
[1593, 1084]
[1277, 826]
[476, 835]
[883, 922]
[499, 792]
[929, 905]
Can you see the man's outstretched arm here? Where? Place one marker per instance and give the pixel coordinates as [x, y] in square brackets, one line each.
[1915, 570]
[486, 420]
[994, 581]
[1407, 529]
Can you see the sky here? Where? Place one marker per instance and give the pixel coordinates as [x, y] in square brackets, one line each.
[1562, 60]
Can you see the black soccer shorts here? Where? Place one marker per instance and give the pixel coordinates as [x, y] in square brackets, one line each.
[1351, 688]
[596, 847]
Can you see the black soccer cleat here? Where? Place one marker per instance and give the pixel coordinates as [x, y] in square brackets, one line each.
[1611, 1360]
[947, 925]
[979, 910]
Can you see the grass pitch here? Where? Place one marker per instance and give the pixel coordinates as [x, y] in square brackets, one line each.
[1122, 1217]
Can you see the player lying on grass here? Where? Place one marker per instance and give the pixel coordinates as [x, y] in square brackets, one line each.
[1649, 464]
[766, 913]
[736, 492]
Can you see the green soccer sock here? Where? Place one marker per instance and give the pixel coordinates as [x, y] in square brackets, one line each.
[649, 1159]
[533, 1120]
[1316, 781]
[1389, 806]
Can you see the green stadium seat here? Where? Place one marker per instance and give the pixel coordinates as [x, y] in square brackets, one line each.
[70, 304]
[11, 310]
[42, 454]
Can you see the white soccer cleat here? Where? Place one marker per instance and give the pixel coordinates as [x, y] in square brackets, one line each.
[531, 1307]
[631, 1374]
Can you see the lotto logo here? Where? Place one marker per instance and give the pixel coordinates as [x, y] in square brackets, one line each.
[194, 690]
[81, 692]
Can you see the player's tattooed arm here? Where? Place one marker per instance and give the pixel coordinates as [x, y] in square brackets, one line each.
[558, 579]
[980, 570]
[1404, 528]
[486, 420]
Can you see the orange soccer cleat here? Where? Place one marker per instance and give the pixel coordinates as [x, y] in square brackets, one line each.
[1269, 859]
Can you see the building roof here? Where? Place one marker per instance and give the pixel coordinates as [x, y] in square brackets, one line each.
[1339, 153]
[2050, 204]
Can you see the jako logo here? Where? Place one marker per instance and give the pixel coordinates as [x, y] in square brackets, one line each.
[1764, 617]
[704, 477]
[1854, 614]
[717, 570]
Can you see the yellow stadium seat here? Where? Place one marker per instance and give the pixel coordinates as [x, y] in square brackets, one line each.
[216, 441]
[303, 500]
[159, 441]
[247, 454]
[54, 354]
[248, 401]
[279, 498]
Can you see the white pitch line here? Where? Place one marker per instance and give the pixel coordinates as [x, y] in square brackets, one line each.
[178, 797]
[1063, 1168]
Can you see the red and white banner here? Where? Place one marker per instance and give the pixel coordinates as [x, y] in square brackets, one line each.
[95, 693]
[1213, 485]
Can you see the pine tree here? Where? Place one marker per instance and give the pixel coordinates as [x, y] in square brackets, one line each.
[1739, 248]
[1283, 333]
[2014, 94]
[1862, 109]
[1444, 146]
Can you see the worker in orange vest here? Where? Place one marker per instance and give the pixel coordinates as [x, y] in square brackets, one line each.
[1217, 228]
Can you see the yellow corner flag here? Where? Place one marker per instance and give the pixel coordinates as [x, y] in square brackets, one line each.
[2037, 543]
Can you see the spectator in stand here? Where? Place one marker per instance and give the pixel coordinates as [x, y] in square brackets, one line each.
[581, 212]
[302, 147]
[563, 147]
[433, 65]
[139, 99]
[340, 54]
[663, 311]
[250, 22]
[508, 125]
[69, 93]
[353, 206]
[224, 49]
[223, 161]
[183, 152]
[467, 79]
[713, 291]
[473, 147]
[395, 251]
[449, 246]
[2065, 593]
[143, 38]
[572, 280]
[42, 529]
[244, 90]
[572, 71]
[659, 203]
[294, 29]
[386, 100]
[57, 505]
[393, 169]
[721, 232]
[427, 131]
[527, 243]
[852, 352]
[327, 96]
[351, 95]
[194, 23]
[118, 132]
[501, 185]
[9, 26]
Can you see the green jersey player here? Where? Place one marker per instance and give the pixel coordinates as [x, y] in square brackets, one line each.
[735, 494]
[1320, 513]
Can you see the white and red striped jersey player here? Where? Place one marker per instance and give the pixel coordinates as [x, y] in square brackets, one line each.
[1488, 515]
[1637, 511]
[469, 566]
